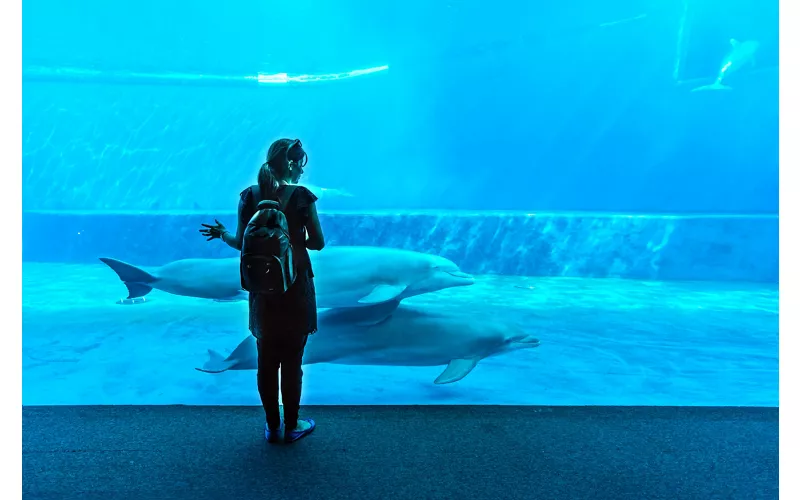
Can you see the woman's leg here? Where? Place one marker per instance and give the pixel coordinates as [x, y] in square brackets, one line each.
[292, 377]
[268, 366]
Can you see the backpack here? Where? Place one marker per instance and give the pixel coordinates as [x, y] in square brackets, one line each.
[267, 260]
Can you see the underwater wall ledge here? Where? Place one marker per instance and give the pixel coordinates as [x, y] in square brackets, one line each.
[707, 248]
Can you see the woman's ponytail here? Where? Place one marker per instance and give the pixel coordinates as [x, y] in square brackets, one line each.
[267, 183]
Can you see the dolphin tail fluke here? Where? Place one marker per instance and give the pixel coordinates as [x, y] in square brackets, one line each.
[215, 364]
[244, 357]
[713, 86]
[136, 280]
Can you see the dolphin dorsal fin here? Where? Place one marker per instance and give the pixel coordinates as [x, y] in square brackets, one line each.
[734, 43]
[368, 315]
[376, 314]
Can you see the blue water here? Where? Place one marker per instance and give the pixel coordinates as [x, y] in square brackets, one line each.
[603, 341]
[555, 152]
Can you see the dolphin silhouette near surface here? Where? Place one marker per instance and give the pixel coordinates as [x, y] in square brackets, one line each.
[740, 55]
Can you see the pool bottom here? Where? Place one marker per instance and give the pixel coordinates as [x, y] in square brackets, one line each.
[603, 342]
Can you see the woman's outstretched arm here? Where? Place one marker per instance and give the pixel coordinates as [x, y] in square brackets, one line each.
[235, 240]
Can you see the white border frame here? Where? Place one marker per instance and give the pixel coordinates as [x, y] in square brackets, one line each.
[789, 247]
[11, 247]
[11, 199]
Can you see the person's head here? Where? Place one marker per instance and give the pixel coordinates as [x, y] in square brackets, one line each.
[285, 162]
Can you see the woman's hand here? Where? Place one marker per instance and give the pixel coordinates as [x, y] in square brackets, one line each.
[212, 232]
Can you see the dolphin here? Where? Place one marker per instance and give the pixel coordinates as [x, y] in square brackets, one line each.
[345, 276]
[391, 334]
[741, 54]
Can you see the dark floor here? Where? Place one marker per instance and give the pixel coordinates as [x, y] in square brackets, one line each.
[452, 452]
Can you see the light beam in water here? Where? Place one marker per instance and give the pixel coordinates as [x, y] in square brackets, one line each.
[83, 75]
[265, 78]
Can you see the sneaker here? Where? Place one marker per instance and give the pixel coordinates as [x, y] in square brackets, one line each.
[305, 426]
[273, 435]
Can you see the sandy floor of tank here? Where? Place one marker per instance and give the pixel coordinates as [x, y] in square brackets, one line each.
[603, 342]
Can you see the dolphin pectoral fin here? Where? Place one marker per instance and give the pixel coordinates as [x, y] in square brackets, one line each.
[734, 43]
[456, 370]
[383, 293]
